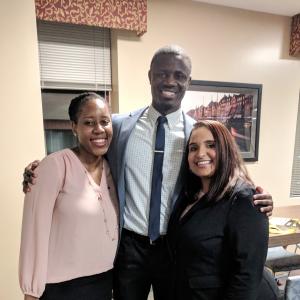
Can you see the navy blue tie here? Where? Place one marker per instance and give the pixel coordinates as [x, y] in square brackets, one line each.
[155, 199]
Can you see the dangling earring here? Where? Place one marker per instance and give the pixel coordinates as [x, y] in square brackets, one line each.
[75, 134]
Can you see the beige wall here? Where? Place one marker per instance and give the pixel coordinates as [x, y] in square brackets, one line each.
[225, 44]
[21, 128]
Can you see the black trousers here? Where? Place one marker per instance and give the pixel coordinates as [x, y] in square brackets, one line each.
[140, 265]
[95, 287]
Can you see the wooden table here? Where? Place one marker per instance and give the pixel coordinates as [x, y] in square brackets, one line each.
[276, 240]
[285, 239]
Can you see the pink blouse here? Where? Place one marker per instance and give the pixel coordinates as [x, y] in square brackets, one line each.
[70, 224]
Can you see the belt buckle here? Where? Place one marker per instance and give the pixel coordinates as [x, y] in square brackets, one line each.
[152, 243]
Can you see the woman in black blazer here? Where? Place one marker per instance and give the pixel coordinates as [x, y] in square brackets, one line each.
[218, 238]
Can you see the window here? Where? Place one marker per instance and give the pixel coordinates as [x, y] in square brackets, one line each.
[295, 184]
[73, 59]
[74, 56]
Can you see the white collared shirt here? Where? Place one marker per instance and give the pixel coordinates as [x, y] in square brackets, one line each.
[138, 169]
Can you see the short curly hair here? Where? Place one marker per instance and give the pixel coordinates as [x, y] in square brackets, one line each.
[172, 50]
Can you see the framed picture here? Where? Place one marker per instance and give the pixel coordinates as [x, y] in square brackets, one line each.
[237, 105]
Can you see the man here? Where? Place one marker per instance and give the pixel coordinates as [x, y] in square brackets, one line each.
[143, 261]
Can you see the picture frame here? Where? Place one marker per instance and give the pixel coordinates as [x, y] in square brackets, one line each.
[236, 105]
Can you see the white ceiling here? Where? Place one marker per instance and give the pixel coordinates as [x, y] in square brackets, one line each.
[277, 7]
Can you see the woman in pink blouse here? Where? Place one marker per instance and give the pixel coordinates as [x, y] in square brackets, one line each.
[70, 222]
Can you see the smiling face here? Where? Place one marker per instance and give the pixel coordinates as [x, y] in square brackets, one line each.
[202, 155]
[93, 128]
[169, 77]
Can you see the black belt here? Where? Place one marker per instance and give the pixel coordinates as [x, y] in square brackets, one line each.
[142, 238]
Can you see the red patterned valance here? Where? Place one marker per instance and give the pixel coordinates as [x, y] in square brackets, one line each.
[295, 36]
[120, 14]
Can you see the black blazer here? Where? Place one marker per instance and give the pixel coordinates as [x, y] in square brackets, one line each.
[219, 249]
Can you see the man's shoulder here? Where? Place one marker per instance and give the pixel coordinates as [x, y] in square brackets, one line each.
[117, 118]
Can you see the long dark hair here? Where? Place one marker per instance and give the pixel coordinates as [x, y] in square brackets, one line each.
[229, 164]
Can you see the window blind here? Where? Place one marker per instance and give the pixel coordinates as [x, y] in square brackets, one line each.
[295, 184]
[74, 56]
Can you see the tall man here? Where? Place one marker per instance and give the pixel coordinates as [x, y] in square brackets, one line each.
[143, 261]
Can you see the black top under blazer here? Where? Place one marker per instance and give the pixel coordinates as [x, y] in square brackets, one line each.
[219, 249]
